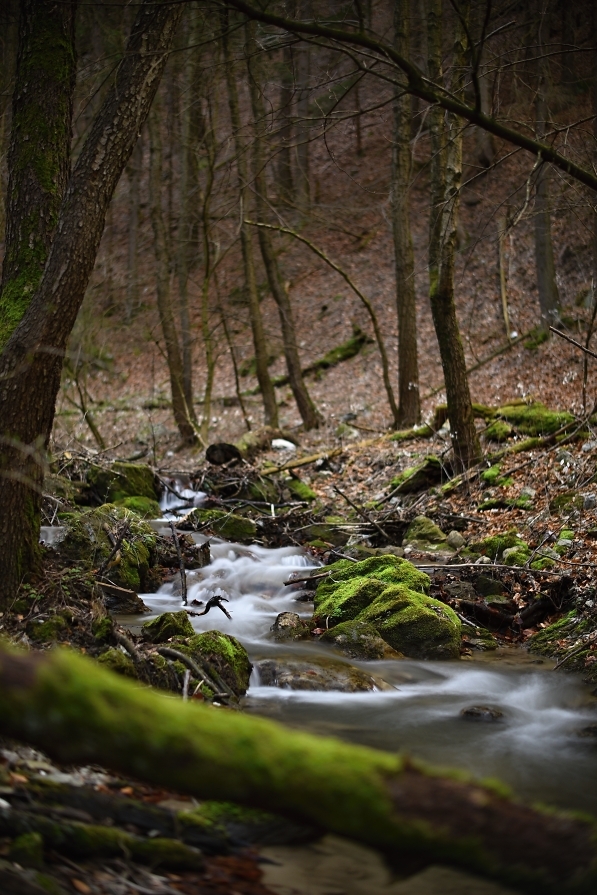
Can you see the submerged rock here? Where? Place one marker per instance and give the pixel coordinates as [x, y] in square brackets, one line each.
[290, 626]
[481, 713]
[316, 674]
[390, 595]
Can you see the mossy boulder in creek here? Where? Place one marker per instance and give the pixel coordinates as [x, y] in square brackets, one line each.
[424, 534]
[225, 525]
[391, 595]
[145, 507]
[167, 625]
[223, 653]
[120, 480]
[90, 539]
[359, 640]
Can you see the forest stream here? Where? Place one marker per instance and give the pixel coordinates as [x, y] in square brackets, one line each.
[531, 740]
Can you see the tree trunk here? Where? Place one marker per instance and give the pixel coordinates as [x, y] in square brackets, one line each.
[31, 361]
[409, 403]
[259, 343]
[79, 713]
[446, 170]
[285, 184]
[39, 154]
[309, 414]
[302, 128]
[183, 414]
[132, 280]
[549, 299]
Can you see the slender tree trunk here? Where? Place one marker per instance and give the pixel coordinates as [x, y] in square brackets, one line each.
[549, 299]
[187, 150]
[409, 403]
[285, 184]
[309, 414]
[31, 361]
[302, 129]
[594, 195]
[446, 170]
[183, 413]
[132, 280]
[265, 384]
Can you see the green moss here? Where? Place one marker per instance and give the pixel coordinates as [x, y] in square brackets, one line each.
[49, 631]
[499, 430]
[222, 652]
[359, 640]
[145, 507]
[425, 534]
[506, 503]
[323, 535]
[538, 337]
[424, 431]
[88, 544]
[122, 480]
[534, 419]
[552, 641]
[342, 352]
[417, 478]
[516, 557]
[493, 476]
[263, 490]
[563, 503]
[117, 661]
[102, 628]
[28, 851]
[301, 490]
[167, 625]
[543, 563]
[389, 594]
[495, 545]
[229, 526]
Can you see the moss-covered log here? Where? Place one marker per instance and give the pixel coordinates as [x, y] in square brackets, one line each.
[79, 712]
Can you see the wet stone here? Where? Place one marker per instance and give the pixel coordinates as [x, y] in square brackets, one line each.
[481, 713]
[324, 675]
[290, 626]
[588, 733]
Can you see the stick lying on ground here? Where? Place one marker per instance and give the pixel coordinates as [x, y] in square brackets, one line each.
[79, 712]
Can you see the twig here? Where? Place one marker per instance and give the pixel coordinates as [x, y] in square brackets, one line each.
[124, 641]
[183, 574]
[307, 578]
[585, 365]
[361, 512]
[573, 341]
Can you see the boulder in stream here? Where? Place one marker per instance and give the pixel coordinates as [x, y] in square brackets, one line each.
[484, 713]
[391, 595]
[119, 480]
[317, 674]
[290, 626]
[359, 640]
[225, 525]
[423, 534]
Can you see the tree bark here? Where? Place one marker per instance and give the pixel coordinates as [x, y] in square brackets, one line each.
[285, 183]
[259, 343]
[309, 414]
[31, 361]
[183, 414]
[132, 280]
[302, 129]
[409, 403]
[39, 154]
[446, 170]
[78, 712]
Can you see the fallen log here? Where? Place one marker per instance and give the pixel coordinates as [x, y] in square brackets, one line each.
[78, 712]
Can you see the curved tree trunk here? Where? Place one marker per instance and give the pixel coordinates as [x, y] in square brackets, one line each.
[77, 711]
[446, 170]
[183, 414]
[409, 402]
[31, 362]
[309, 414]
[259, 343]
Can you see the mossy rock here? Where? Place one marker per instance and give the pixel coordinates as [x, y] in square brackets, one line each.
[223, 653]
[495, 545]
[389, 594]
[418, 478]
[145, 507]
[493, 476]
[228, 526]
[52, 630]
[301, 490]
[413, 624]
[87, 543]
[117, 661]
[167, 625]
[122, 480]
[557, 638]
[564, 503]
[479, 639]
[28, 851]
[424, 534]
[506, 503]
[359, 640]
[324, 534]
[62, 487]
[535, 418]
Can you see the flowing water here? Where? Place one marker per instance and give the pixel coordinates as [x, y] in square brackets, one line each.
[534, 746]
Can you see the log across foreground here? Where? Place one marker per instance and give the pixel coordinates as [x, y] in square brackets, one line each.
[78, 712]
